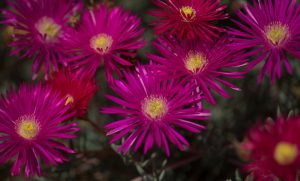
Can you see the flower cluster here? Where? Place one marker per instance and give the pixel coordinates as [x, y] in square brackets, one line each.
[195, 62]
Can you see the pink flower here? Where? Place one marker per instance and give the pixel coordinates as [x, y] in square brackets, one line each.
[269, 31]
[39, 27]
[207, 65]
[76, 88]
[275, 150]
[111, 36]
[31, 121]
[188, 19]
[150, 110]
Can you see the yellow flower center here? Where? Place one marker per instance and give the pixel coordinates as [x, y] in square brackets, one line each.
[48, 28]
[27, 127]
[188, 13]
[195, 62]
[277, 32]
[101, 43]
[155, 107]
[69, 99]
[285, 153]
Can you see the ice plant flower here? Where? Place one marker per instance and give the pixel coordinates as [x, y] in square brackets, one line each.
[203, 64]
[274, 150]
[150, 110]
[77, 88]
[111, 36]
[31, 123]
[39, 27]
[188, 19]
[269, 30]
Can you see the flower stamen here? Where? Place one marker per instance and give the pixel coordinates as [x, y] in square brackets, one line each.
[48, 28]
[285, 153]
[69, 100]
[27, 127]
[188, 13]
[276, 33]
[154, 107]
[101, 43]
[195, 62]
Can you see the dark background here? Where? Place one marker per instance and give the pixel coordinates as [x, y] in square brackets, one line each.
[213, 154]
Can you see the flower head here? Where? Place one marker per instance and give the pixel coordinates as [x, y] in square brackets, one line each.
[203, 64]
[188, 18]
[151, 109]
[274, 150]
[31, 122]
[77, 88]
[109, 35]
[269, 31]
[39, 27]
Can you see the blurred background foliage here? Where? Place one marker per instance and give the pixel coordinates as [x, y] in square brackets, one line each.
[214, 154]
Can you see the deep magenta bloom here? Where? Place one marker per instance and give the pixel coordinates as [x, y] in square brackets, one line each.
[39, 27]
[109, 35]
[275, 150]
[204, 64]
[151, 109]
[269, 30]
[31, 122]
[77, 88]
[188, 19]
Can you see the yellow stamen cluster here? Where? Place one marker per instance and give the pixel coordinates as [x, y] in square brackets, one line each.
[285, 153]
[195, 62]
[276, 32]
[48, 28]
[154, 107]
[101, 43]
[27, 127]
[187, 13]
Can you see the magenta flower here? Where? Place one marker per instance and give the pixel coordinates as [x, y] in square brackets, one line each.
[151, 109]
[188, 19]
[203, 64]
[77, 88]
[31, 122]
[275, 150]
[269, 30]
[109, 35]
[39, 27]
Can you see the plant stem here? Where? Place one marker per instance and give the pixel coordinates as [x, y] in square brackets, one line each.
[94, 125]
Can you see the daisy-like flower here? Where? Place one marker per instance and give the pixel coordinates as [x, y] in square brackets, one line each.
[109, 35]
[31, 123]
[151, 109]
[188, 19]
[275, 150]
[269, 30]
[39, 27]
[203, 64]
[77, 88]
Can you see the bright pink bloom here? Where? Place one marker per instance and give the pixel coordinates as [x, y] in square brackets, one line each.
[111, 36]
[77, 88]
[269, 31]
[204, 64]
[39, 27]
[151, 109]
[31, 121]
[275, 150]
[188, 19]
